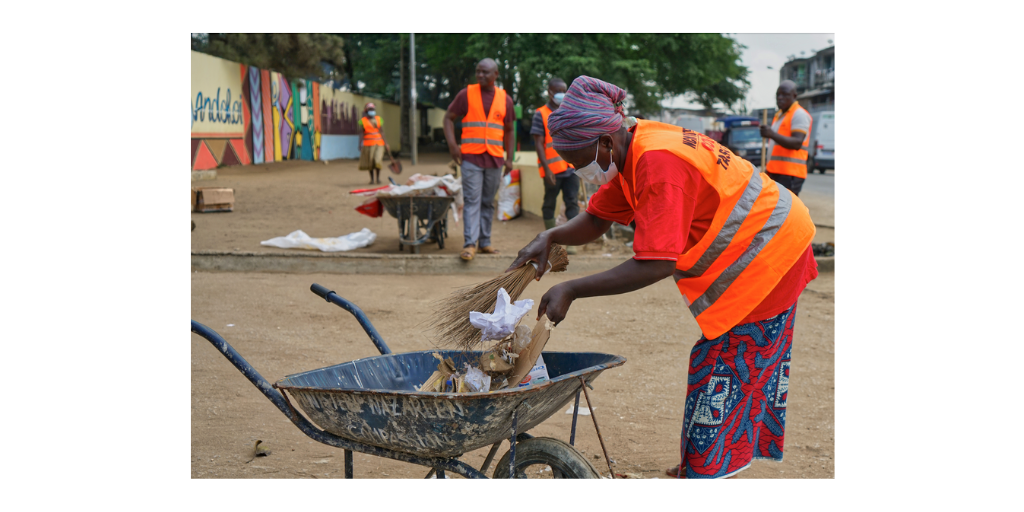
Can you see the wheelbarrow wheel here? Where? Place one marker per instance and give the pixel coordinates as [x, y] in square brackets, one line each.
[533, 455]
[414, 231]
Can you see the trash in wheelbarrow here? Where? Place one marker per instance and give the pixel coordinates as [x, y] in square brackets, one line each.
[515, 361]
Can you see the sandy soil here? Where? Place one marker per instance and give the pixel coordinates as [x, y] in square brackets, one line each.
[275, 199]
[281, 328]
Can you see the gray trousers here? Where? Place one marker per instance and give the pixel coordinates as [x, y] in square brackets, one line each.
[478, 189]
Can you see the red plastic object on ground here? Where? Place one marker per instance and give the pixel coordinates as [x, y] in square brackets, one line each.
[371, 208]
[364, 190]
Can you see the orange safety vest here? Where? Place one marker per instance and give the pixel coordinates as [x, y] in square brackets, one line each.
[480, 133]
[757, 233]
[371, 134]
[555, 162]
[791, 162]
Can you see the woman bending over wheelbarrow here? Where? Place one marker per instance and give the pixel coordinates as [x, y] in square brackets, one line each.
[737, 245]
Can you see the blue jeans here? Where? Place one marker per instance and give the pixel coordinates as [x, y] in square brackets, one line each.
[479, 186]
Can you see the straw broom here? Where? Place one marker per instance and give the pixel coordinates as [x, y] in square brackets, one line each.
[451, 315]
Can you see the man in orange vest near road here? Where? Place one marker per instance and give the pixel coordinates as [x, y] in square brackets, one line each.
[557, 173]
[487, 117]
[371, 143]
[737, 244]
[787, 151]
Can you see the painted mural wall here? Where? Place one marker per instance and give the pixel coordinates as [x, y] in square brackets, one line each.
[244, 115]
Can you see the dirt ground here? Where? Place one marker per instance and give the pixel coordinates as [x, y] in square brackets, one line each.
[281, 328]
[275, 199]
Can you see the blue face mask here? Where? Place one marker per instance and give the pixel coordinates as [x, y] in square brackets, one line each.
[371, 113]
[558, 98]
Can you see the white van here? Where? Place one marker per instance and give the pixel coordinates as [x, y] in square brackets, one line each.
[823, 141]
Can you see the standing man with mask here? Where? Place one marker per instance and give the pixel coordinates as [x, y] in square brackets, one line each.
[488, 118]
[787, 160]
[371, 143]
[557, 173]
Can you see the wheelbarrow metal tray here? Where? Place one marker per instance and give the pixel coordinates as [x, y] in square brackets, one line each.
[375, 401]
[399, 206]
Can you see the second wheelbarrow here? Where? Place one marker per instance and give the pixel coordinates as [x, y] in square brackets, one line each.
[421, 219]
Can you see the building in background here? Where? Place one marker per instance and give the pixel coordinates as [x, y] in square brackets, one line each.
[815, 79]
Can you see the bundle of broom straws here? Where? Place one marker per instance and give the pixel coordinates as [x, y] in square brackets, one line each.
[451, 316]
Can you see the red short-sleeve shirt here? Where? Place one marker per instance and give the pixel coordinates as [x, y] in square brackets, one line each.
[676, 207]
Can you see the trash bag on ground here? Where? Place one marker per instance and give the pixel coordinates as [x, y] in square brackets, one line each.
[300, 240]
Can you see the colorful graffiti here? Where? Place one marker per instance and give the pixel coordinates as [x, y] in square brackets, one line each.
[268, 119]
[338, 117]
[307, 134]
[212, 153]
[254, 141]
[242, 115]
[215, 110]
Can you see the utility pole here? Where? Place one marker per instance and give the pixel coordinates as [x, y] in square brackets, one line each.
[403, 132]
[413, 139]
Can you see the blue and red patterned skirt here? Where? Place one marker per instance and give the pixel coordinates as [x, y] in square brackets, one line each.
[736, 398]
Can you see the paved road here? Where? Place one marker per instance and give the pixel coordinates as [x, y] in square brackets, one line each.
[819, 194]
[820, 184]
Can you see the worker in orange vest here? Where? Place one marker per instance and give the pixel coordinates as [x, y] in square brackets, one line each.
[738, 246]
[371, 143]
[787, 151]
[487, 117]
[557, 173]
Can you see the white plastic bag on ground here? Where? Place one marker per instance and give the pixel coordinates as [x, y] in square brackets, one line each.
[300, 240]
[502, 322]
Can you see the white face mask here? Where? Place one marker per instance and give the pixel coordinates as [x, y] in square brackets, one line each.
[592, 172]
[558, 98]
[371, 113]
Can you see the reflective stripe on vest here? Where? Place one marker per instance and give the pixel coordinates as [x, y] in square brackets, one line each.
[791, 162]
[371, 134]
[757, 233]
[555, 162]
[733, 271]
[484, 133]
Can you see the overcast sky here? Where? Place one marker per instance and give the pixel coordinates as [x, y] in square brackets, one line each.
[763, 50]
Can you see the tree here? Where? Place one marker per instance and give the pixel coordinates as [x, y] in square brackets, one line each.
[648, 66]
[294, 55]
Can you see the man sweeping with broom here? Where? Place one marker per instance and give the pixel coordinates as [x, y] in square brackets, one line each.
[737, 244]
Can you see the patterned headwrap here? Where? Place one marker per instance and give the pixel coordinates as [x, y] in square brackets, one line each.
[590, 109]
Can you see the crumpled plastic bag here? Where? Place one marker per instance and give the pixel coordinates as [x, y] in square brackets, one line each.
[300, 240]
[476, 380]
[502, 322]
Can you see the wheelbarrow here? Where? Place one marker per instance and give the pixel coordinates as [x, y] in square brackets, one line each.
[372, 406]
[421, 219]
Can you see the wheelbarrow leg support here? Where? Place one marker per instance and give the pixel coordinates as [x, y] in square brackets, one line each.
[280, 400]
[512, 450]
[348, 464]
[575, 413]
[599, 438]
[332, 297]
[490, 457]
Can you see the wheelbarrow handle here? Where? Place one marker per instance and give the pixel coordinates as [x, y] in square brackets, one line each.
[243, 366]
[332, 297]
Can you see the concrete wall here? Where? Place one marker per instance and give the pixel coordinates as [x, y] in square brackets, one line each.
[243, 115]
